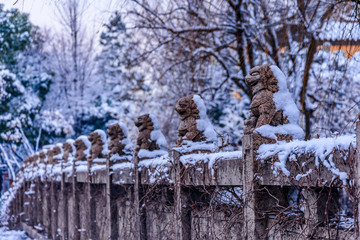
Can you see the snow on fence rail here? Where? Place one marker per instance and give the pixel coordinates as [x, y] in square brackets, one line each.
[66, 190]
[100, 187]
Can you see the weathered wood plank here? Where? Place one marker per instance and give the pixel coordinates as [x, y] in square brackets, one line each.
[357, 182]
[224, 172]
[99, 176]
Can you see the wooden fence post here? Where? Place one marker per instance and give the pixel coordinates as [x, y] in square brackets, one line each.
[75, 218]
[108, 224]
[137, 224]
[47, 206]
[88, 203]
[33, 199]
[357, 181]
[63, 207]
[249, 228]
[40, 202]
[36, 202]
[177, 192]
[53, 209]
[26, 202]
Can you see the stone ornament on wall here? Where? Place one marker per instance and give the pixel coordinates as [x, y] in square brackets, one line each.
[68, 149]
[187, 109]
[49, 155]
[151, 142]
[34, 160]
[82, 148]
[274, 115]
[119, 146]
[263, 84]
[97, 143]
[116, 135]
[57, 153]
[145, 127]
[42, 156]
[53, 154]
[196, 133]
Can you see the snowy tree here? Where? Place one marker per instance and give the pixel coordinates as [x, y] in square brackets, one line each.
[333, 97]
[24, 83]
[15, 30]
[72, 55]
[120, 83]
[208, 47]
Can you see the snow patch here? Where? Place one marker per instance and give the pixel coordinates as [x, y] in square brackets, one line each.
[81, 166]
[292, 129]
[116, 157]
[203, 124]
[211, 158]
[144, 153]
[103, 137]
[87, 144]
[154, 162]
[6, 234]
[121, 166]
[322, 148]
[189, 146]
[98, 168]
[283, 101]
[156, 134]
[71, 142]
[128, 149]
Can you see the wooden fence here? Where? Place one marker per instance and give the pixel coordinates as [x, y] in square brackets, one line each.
[223, 195]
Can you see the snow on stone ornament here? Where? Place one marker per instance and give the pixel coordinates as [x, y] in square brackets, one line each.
[151, 143]
[119, 145]
[98, 147]
[68, 150]
[195, 130]
[274, 115]
[57, 153]
[82, 146]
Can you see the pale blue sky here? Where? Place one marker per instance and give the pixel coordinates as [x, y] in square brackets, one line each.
[42, 12]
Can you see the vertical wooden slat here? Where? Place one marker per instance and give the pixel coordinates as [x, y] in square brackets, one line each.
[47, 206]
[110, 233]
[249, 227]
[137, 224]
[75, 218]
[63, 206]
[53, 209]
[39, 209]
[178, 226]
[357, 181]
[87, 206]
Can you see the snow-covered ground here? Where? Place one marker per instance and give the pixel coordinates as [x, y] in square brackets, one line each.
[6, 234]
